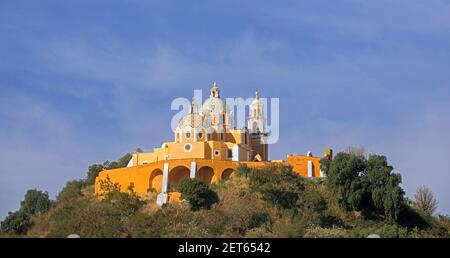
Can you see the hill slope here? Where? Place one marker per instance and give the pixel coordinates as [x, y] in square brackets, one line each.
[268, 202]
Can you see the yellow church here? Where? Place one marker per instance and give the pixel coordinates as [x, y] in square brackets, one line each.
[206, 146]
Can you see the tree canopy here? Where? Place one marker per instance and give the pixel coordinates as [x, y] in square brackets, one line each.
[365, 184]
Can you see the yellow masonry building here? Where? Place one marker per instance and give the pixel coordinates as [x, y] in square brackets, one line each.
[206, 146]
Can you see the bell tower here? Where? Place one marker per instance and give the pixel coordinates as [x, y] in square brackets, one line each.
[257, 126]
[256, 120]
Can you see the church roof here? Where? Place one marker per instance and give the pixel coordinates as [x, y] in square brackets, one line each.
[214, 104]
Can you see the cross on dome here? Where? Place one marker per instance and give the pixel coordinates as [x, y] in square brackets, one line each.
[193, 109]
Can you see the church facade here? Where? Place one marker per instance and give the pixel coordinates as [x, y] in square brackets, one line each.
[206, 146]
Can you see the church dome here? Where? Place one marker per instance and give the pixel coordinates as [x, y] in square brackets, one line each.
[192, 121]
[214, 104]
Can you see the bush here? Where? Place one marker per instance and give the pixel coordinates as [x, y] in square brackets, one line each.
[279, 185]
[83, 216]
[146, 225]
[384, 231]
[90, 217]
[197, 193]
[17, 222]
[95, 169]
[71, 191]
[35, 202]
[122, 204]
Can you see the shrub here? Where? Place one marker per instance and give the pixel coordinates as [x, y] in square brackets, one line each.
[17, 222]
[278, 185]
[384, 231]
[122, 204]
[71, 191]
[197, 193]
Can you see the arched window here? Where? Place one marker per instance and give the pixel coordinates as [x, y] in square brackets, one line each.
[255, 127]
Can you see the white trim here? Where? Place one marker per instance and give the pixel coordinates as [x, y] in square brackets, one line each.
[162, 198]
[130, 163]
[165, 178]
[235, 153]
[310, 168]
[193, 169]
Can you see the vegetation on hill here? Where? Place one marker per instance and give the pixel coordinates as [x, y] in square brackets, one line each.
[360, 196]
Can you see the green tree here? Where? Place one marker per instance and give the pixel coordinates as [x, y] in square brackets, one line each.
[95, 169]
[71, 191]
[343, 174]
[17, 222]
[122, 162]
[197, 193]
[93, 172]
[386, 194]
[35, 201]
[365, 184]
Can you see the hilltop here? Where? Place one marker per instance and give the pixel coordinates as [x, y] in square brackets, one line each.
[360, 196]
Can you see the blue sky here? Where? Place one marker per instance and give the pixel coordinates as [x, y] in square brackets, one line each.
[86, 81]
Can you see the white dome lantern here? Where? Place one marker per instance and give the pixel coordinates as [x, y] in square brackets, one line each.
[214, 104]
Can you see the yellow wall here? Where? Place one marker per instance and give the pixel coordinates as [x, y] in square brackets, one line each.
[300, 165]
[199, 150]
[149, 176]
